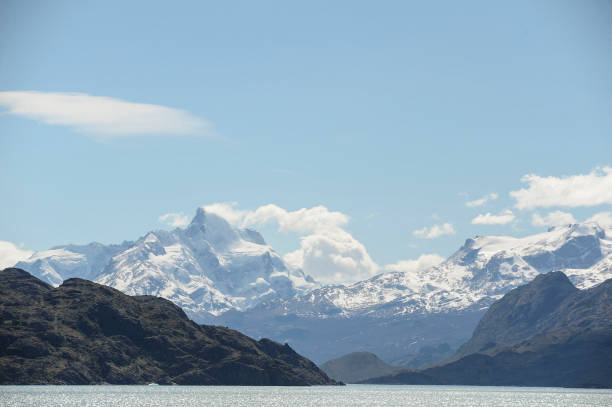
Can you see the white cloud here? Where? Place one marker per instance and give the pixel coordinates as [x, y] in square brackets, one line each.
[554, 218]
[590, 189]
[327, 252]
[228, 211]
[333, 256]
[603, 218]
[303, 220]
[10, 254]
[488, 219]
[479, 202]
[174, 219]
[424, 262]
[104, 116]
[435, 231]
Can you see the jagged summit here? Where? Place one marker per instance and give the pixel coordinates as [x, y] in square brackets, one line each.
[218, 232]
[200, 217]
[213, 229]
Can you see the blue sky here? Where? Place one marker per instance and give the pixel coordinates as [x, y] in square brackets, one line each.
[393, 114]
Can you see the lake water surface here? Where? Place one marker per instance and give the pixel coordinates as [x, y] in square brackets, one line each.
[352, 395]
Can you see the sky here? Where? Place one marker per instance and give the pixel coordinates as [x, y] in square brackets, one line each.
[358, 137]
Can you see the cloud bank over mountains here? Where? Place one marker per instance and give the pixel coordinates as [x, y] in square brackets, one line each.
[327, 250]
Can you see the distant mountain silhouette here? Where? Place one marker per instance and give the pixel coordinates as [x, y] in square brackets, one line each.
[356, 366]
[547, 333]
[87, 333]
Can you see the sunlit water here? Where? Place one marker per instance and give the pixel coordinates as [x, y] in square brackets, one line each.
[352, 395]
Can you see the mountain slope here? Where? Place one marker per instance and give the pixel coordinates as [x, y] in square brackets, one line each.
[86, 333]
[206, 268]
[546, 333]
[548, 304]
[356, 366]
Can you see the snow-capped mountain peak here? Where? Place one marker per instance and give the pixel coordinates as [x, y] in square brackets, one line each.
[207, 268]
[213, 229]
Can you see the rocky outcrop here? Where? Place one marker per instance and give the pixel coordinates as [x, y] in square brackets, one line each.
[86, 333]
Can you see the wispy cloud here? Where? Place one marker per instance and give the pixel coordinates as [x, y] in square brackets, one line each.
[435, 231]
[175, 220]
[423, 262]
[488, 219]
[104, 116]
[479, 202]
[594, 188]
[603, 218]
[554, 218]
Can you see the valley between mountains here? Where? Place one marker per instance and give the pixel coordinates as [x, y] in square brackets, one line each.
[226, 276]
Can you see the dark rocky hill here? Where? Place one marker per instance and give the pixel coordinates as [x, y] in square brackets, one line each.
[87, 333]
[546, 333]
[521, 314]
[356, 366]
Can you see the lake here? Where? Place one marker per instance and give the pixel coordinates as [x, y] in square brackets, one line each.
[351, 395]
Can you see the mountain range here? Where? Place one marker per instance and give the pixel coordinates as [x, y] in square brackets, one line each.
[397, 315]
[228, 276]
